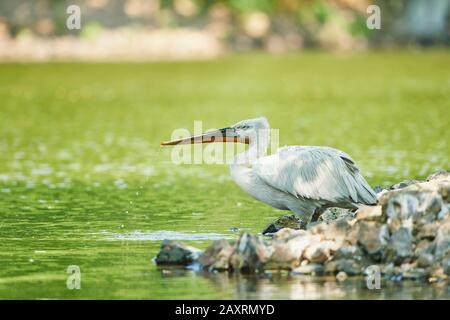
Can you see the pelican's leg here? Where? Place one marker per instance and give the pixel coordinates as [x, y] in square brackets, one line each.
[304, 218]
[304, 214]
[317, 213]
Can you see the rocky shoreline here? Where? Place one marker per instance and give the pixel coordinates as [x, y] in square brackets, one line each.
[406, 236]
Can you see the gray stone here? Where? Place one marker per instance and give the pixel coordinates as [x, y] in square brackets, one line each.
[318, 252]
[390, 270]
[442, 240]
[369, 213]
[288, 247]
[250, 254]
[440, 175]
[421, 202]
[436, 273]
[428, 231]
[348, 252]
[401, 243]
[369, 239]
[291, 221]
[349, 266]
[415, 274]
[332, 214]
[424, 246]
[330, 267]
[425, 260]
[341, 276]
[403, 184]
[335, 231]
[446, 265]
[310, 268]
[401, 205]
[217, 255]
[176, 253]
[378, 189]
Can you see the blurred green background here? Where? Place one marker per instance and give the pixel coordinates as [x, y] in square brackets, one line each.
[187, 29]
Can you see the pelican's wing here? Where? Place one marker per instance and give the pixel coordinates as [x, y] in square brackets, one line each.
[318, 173]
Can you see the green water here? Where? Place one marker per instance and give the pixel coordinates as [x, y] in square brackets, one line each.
[84, 182]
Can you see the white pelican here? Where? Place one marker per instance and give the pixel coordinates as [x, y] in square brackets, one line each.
[303, 179]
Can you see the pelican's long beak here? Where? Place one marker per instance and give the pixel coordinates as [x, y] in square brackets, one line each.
[222, 135]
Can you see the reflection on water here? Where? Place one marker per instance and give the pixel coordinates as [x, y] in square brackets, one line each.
[287, 286]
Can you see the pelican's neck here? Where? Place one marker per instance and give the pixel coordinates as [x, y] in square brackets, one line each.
[257, 148]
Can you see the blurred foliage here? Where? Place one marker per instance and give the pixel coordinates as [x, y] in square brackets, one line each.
[250, 23]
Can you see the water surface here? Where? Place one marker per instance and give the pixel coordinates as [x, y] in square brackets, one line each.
[84, 182]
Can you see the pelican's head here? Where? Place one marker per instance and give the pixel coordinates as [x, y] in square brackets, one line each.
[244, 131]
[250, 128]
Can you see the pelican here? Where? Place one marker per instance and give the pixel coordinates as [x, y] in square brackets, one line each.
[303, 179]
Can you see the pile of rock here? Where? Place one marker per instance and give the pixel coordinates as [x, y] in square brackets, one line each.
[407, 236]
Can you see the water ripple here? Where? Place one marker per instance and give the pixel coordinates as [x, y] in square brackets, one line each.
[169, 235]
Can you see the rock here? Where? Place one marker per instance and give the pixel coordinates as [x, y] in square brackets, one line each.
[351, 236]
[400, 246]
[425, 260]
[369, 239]
[330, 267]
[288, 247]
[440, 175]
[395, 223]
[286, 234]
[436, 274]
[368, 213]
[390, 270]
[424, 246]
[341, 276]
[446, 265]
[414, 274]
[318, 252]
[442, 239]
[217, 255]
[335, 231]
[428, 231]
[378, 189]
[291, 221]
[401, 206]
[349, 266]
[403, 184]
[348, 252]
[384, 234]
[422, 202]
[172, 252]
[405, 271]
[332, 214]
[310, 268]
[250, 254]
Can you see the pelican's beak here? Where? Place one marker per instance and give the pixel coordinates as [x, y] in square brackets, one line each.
[222, 135]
